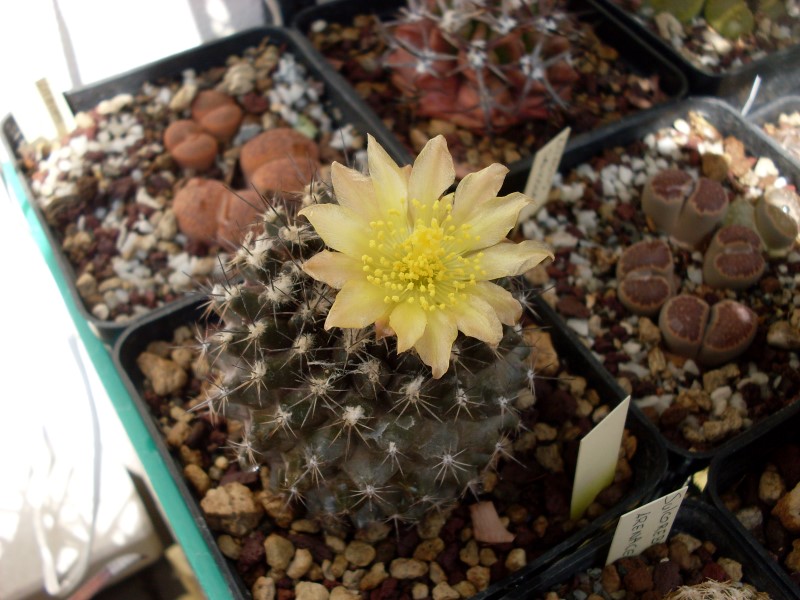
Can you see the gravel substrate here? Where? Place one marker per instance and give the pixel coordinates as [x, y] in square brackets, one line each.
[279, 553]
[107, 190]
[594, 213]
[707, 50]
[607, 90]
[786, 132]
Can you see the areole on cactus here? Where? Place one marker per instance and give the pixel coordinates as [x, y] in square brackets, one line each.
[365, 401]
[482, 65]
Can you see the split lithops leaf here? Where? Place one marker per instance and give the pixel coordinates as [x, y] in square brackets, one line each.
[654, 255]
[733, 259]
[683, 322]
[663, 197]
[776, 227]
[703, 210]
[731, 329]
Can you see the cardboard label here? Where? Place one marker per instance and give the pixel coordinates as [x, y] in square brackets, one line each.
[52, 107]
[544, 167]
[645, 526]
[597, 459]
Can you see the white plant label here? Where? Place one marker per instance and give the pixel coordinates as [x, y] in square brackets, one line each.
[645, 526]
[43, 86]
[544, 167]
[597, 459]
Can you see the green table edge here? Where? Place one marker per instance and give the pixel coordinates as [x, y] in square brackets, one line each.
[177, 513]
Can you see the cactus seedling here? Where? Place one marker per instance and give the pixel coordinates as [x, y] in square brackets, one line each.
[366, 402]
[484, 66]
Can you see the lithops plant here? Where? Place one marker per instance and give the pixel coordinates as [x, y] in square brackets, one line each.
[345, 365]
[645, 276]
[482, 65]
[733, 260]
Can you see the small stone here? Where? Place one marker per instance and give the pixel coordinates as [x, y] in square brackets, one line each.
[419, 591]
[305, 526]
[301, 563]
[229, 546]
[374, 532]
[431, 525]
[479, 576]
[487, 557]
[549, 457]
[342, 593]
[407, 568]
[352, 579]
[231, 508]
[469, 554]
[732, 568]
[666, 577]
[465, 589]
[308, 590]
[610, 579]
[783, 335]
[279, 551]
[178, 434]
[359, 554]
[436, 573]
[374, 577]
[276, 507]
[443, 591]
[166, 376]
[750, 517]
[516, 559]
[787, 510]
[770, 487]
[792, 561]
[335, 543]
[199, 479]
[428, 550]
[264, 589]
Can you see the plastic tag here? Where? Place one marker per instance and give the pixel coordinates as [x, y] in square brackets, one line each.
[597, 459]
[55, 111]
[544, 167]
[645, 526]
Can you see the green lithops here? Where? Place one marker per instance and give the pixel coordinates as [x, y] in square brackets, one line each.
[349, 423]
[731, 18]
[683, 10]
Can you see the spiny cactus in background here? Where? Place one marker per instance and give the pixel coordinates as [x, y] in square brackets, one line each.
[482, 65]
[382, 422]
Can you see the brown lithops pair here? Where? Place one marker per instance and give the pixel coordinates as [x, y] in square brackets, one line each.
[646, 278]
[207, 211]
[733, 260]
[711, 335]
[280, 159]
[686, 210]
[194, 143]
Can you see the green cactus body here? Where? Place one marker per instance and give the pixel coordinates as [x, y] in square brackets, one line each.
[345, 424]
[483, 65]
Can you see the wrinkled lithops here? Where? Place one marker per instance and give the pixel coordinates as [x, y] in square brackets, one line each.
[733, 259]
[288, 174]
[190, 146]
[281, 142]
[712, 336]
[645, 277]
[217, 113]
[686, 210]
[209, 212]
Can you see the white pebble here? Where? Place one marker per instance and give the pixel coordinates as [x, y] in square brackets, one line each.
[579, 326]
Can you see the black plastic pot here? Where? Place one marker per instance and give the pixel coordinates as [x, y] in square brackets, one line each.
[748, 456]
[770, 113]
[633, 52]
[649, 463]
[694, 518]
[347, 106]
[775, 70]
[683, 462]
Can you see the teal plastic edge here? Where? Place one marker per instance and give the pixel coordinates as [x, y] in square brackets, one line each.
[178, 515]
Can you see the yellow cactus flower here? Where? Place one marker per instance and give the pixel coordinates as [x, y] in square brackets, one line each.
[416, 262]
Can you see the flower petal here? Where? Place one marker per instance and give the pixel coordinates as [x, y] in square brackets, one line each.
[436, 343]
[507, 308]
[333, 268]
[493, 222]
[432, 174]
[476, 189]
[354, 190]
[477, 318]
[408, 322]
[339, 227]
[389, 181]
[507, 259]
[358, 304]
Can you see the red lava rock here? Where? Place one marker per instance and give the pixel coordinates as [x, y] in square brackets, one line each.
[557, 407]
[570, 306]
[252, 551]
[666, 577]
[712, 570]
[313, 544]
